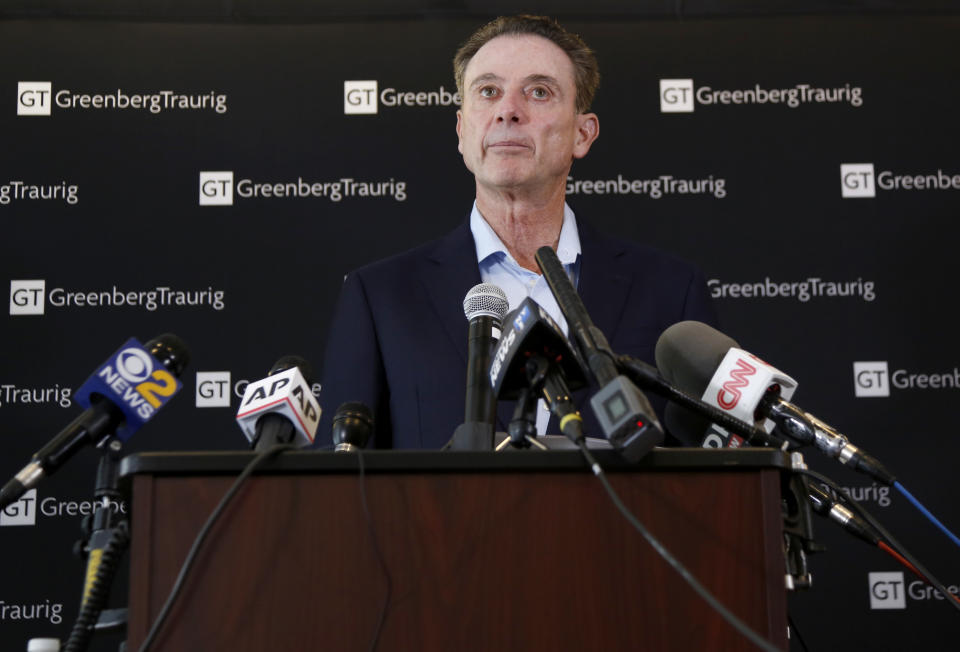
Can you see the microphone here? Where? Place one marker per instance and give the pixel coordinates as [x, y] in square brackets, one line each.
[484, 306]
[281, 408]
[121, 396]
[704, 361]
[697, 411]
[352, 427]
[530, 330]
[625, 415]
[534, 353]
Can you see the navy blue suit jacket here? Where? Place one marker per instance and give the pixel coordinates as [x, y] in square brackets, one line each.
[398, 340]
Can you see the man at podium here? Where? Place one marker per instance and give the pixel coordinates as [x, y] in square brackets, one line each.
[398, 340]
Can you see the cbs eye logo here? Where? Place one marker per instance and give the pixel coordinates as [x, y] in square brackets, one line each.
[136, 367]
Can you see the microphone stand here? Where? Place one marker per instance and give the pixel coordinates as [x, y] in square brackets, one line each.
[105, 536]
[523, 427]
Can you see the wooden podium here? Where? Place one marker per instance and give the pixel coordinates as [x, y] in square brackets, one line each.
[484, 551]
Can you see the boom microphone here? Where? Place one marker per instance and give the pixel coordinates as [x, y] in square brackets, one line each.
[624, 413]
[281, 408]
[704, 361]
[121, 396]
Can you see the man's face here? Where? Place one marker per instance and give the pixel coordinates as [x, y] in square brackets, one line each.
[518, 127]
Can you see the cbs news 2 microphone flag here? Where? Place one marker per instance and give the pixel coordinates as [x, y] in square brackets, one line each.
[218, 180]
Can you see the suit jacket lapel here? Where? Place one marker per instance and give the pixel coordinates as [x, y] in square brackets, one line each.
[603, 288]
[447, 272]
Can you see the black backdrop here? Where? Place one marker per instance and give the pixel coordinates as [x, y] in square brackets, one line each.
[134, 223]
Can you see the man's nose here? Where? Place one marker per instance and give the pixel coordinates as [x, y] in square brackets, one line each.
[511, 107]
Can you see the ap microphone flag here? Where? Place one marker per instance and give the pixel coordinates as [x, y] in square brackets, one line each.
[286, 393]
[134, 381]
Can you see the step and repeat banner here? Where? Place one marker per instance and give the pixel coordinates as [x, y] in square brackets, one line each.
[218, 181]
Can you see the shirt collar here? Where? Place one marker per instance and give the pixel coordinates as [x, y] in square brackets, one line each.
[489, 243]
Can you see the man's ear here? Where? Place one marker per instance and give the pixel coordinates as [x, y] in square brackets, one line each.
[588, 128]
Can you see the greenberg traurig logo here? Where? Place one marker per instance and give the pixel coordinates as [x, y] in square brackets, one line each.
[680, 96]
[363, 97]
[219, 189]
[17, 610]
[31, 297]
[21, 512]
[25, 511]
[213, 389]
[13, 394]
[812, 287]
[859, 180]
[873, 379]
[665, 185]
[889, 590]
[23, 191]
[38, 98]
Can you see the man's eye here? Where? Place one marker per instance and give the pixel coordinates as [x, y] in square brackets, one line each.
[488, 91]
[540, 93]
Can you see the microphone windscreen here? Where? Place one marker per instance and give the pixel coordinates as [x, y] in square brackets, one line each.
[291, 361]
[352, 424]
[485, 299]
[688, 354]
[171, 351]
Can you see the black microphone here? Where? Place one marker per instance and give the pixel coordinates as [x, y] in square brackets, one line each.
[705, 362]
[624, 413]
[484, 306]
[528, 331]
[120, 397]
[534, 354]
[352, 427]
[694, 413]
[281, 408]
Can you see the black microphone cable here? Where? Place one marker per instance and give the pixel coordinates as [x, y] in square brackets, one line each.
[99, 589]
[202, 535]
[893, 547]
[376, 550]
[681, 570]
[352, 428]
